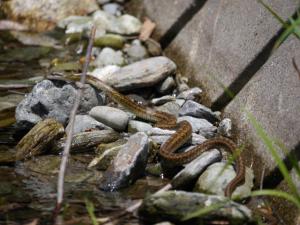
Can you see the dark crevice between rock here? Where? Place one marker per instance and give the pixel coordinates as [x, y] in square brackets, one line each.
[243, 78]
[275, 177]
[180, 23]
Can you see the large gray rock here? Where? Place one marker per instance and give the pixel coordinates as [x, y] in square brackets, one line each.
[129, 164]
[175, 205]
[49, 101]
[144, 73]
[222, 39]
[112, 117]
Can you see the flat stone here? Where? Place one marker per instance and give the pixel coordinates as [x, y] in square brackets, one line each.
[190, 94]
[144, 73]
[136, 52]
[201, 126]
[195, 109]
[272, 97]
[112, 117]
[169, 107]
[128, 165]
[160, 139]
[166, 86]
[138, 126]
[104, 71]
[49, 101]
[85, 122]
[162, 100]
[192, 170]
[222, 39]
[175, 205]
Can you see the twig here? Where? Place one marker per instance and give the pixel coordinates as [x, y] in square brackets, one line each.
[63, 165]
[296, 67]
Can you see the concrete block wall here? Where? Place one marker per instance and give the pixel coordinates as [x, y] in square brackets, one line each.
[228, 44]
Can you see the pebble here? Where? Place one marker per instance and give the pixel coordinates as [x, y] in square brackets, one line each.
[192, 170]
[104, 71]
[191, 108]
[163, 100]
[225, 127]
[216, 177]
[169, 107]
[47, 100]
[108, 56]
[85, 122]
[160, 139]
[201, 126]
[113, 9]
[136, 52]
[144, 73]
[138, 126]
[167, 85]
[190, 94]
[176, 205]
[128, 165]
[112, 117]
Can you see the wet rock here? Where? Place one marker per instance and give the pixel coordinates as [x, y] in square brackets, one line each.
[169, 107]
[174, 206]
[192, 170]
[225, 127]
[109, 40]
[129, 164]
[113, 9]
[39, 138]
[217, 176]
[104, 71]
[191, 108]
[108, 56]
[166, 86]
[201, 126]
[112, 117]
[190, 94]
[144, 73]
[86, 141]
[43, 15]
[49, 101]
[85, 123]
[8, 105]
[125, 24]
[138, 126]
[136, 52]
[162, 100]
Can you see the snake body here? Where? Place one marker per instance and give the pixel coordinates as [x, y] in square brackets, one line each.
[183, 132]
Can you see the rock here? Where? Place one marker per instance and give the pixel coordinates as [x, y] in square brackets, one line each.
[113, 9]
[104, 71]
[190, 94]
[47, 100]
[160, 139]
[39, 139]
[136, 52]
[225, 127]
[43, 15]
[169, 107]
[191, 108]
[109, 40]
[144, 73]
[129, 164]
[216, 177]
[138, 126]
[180, 102]
[192, 170]
[174, 206]
[162, 100]
[85, 122]
[201, 126]
[112, 117]
[76, 24]
[102, 2]
[154, 169]
[108, 56]
[86, 141]
[125, 24]
[167, 85]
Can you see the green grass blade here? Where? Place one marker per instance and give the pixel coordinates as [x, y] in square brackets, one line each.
[90, 208]
[267, 141]
[273, 13]
[204, 211]
[277, 193]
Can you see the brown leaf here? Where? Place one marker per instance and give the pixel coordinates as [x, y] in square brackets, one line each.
[147, 29]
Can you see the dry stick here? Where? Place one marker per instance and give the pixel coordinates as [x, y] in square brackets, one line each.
[63, 165]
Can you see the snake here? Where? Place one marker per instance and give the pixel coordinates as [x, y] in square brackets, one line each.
[183, 132]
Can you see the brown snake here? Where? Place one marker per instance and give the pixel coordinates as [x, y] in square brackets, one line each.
[182, 134]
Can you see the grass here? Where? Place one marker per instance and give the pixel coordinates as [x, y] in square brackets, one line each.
[90, 209]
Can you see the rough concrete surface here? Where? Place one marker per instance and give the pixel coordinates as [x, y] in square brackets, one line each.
[223, 38]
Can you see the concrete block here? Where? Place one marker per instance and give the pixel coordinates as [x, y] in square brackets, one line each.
[223, 38]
